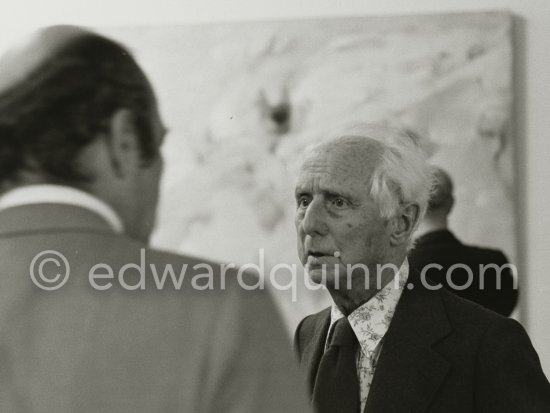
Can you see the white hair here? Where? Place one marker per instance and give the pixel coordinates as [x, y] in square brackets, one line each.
[401, 174]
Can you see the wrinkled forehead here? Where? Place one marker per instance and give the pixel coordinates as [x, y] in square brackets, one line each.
[354, 155]
[33, 51]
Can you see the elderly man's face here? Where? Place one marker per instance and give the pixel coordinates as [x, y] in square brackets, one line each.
[334, 212]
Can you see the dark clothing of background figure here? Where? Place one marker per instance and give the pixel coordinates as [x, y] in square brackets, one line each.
[443, 248]
[442, 354]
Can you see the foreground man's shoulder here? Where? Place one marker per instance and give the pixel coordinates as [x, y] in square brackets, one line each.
[463, 311]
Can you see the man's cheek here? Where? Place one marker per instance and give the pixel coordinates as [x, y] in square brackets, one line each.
[300, 247]
[297, 222]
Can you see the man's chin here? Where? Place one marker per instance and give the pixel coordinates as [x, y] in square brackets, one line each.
[320, 276]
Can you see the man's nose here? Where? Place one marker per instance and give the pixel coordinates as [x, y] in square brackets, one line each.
[314, 222]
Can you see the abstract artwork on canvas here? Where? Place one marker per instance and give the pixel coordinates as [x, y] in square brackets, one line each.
[242, 100]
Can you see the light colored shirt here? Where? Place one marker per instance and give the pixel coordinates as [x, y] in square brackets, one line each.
[370, 322]
[59, 194]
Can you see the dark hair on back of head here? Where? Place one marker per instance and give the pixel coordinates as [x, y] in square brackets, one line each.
[442, 189]
[64, 103]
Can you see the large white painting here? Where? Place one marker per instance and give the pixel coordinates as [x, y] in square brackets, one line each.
[241, 101]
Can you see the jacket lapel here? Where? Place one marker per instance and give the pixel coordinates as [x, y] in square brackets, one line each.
[409, 371]
[315, 335]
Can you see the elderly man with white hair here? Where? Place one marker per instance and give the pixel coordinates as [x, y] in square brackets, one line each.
[393, 342]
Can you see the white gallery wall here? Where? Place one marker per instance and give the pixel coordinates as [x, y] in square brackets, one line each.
[532, 93]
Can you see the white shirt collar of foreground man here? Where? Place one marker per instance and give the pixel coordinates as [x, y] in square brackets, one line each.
[370, 322]
[59, 194]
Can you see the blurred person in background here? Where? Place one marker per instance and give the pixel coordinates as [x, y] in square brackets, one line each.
[80, 164]
[481, 275]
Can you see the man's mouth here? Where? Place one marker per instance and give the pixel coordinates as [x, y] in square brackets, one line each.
[321, 256]
[318, 254]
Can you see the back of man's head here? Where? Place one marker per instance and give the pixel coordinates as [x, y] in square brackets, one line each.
[441, 195]
[57, 93]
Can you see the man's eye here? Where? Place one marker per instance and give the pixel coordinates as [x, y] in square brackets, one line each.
[339, 202]
[303, 201]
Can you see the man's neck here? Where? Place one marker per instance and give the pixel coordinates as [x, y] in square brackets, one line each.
[431, 224]
[362, 290]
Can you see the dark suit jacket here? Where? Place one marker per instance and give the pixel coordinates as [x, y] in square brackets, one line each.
[443, 354]
[78, 349]
[443, 248]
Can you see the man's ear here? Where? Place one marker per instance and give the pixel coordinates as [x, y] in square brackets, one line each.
[123, 143]
[404, 224]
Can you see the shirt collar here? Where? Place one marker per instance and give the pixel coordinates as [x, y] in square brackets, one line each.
[371, 321]
[59, 194]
